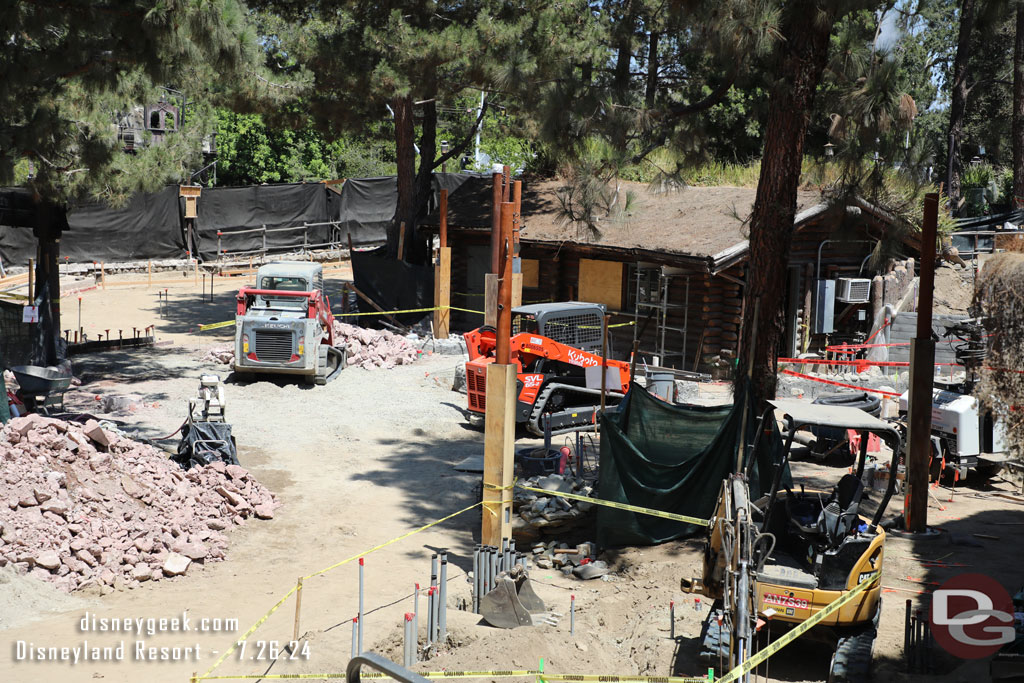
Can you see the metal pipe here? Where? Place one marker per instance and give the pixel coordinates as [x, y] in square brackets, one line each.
[443, 599]
[430, 616]
[504, 332]
[572, 615]
[476, 579]
[416, 620]
[906, 636]
[361, 612]
[355, 637]
[407, 642]
[443, 232]
[672, 619]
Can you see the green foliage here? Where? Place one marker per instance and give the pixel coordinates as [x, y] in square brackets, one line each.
[251, 152]
[977, 175]
[68, 69]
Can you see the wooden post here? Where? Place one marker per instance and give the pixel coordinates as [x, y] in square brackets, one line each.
[491, 300]
[442, 292]
[808, 306]
[443, 275]
[604, 358]
[31, 280]
[401, 242]
[149, 273]
[499, 443]
[499, 420]
[922, 379]
[298, 606]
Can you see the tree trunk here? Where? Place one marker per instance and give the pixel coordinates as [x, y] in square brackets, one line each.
[418, 251]
[804, 51]
[1018, 111]
[405, 157]
[958, 99]
[51, 222]
[652, 70]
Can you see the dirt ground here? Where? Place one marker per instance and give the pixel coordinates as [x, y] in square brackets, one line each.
[368, 458]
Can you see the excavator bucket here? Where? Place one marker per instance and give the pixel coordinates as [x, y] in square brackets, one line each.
[527, 597]
[502, 608]
[510, 603]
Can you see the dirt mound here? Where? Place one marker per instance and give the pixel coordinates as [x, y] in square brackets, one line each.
[85, 506]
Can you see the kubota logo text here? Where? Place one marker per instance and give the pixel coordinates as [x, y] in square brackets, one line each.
[581, 359]
[972, 616]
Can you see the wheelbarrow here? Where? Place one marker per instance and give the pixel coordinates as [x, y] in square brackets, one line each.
[41, 388]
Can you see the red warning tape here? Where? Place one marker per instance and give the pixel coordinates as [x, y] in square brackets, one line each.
[839, 384]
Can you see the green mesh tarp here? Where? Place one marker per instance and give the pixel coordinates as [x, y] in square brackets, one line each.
[672, 458]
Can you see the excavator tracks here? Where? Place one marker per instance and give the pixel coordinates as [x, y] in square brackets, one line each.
[584, 404]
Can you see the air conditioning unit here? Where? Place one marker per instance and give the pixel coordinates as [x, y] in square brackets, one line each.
[853, 290]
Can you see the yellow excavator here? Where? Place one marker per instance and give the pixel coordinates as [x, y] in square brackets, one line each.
[789, 554]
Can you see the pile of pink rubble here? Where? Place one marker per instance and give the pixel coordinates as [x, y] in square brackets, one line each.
[84, 506]
[370, 349]
[367, 349]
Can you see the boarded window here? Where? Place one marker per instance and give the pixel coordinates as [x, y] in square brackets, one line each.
[600, 282]
[531, 273]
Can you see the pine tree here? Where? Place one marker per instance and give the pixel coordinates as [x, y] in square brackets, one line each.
[403, 59]
[68, 69]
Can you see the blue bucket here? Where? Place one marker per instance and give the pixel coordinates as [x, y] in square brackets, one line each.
[534, 461]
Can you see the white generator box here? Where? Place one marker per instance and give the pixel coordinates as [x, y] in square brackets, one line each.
[955, 416]
[853, 290]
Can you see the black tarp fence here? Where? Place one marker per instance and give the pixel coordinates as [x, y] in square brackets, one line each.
[147, 228]
[240, 214]
[151, 226]
[393, 285]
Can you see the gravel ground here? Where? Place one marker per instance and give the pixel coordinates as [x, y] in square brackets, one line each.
[368, 458]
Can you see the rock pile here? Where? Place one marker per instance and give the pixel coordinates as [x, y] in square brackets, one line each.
[369, 349]
[550, 515]
[83, 506]
[221, 353]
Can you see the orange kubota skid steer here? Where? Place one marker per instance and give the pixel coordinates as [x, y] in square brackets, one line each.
[557, 350]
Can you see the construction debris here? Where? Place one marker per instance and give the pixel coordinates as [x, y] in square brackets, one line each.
[86, 506]
[552, 514]
[221, 353]
[370, 349]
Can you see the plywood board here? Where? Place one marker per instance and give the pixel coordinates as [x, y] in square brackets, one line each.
[600, 282]
[531, 273]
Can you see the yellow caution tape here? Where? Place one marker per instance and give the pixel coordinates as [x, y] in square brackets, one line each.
[324, 571]
[432, 674]
[442, 675]
[621, 506]
[226, 323]
[785, 640]
[393, 540]
[215, 326]
[626, 679]
[251, 630]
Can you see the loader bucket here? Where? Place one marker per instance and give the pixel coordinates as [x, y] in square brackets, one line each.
[510, 603]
